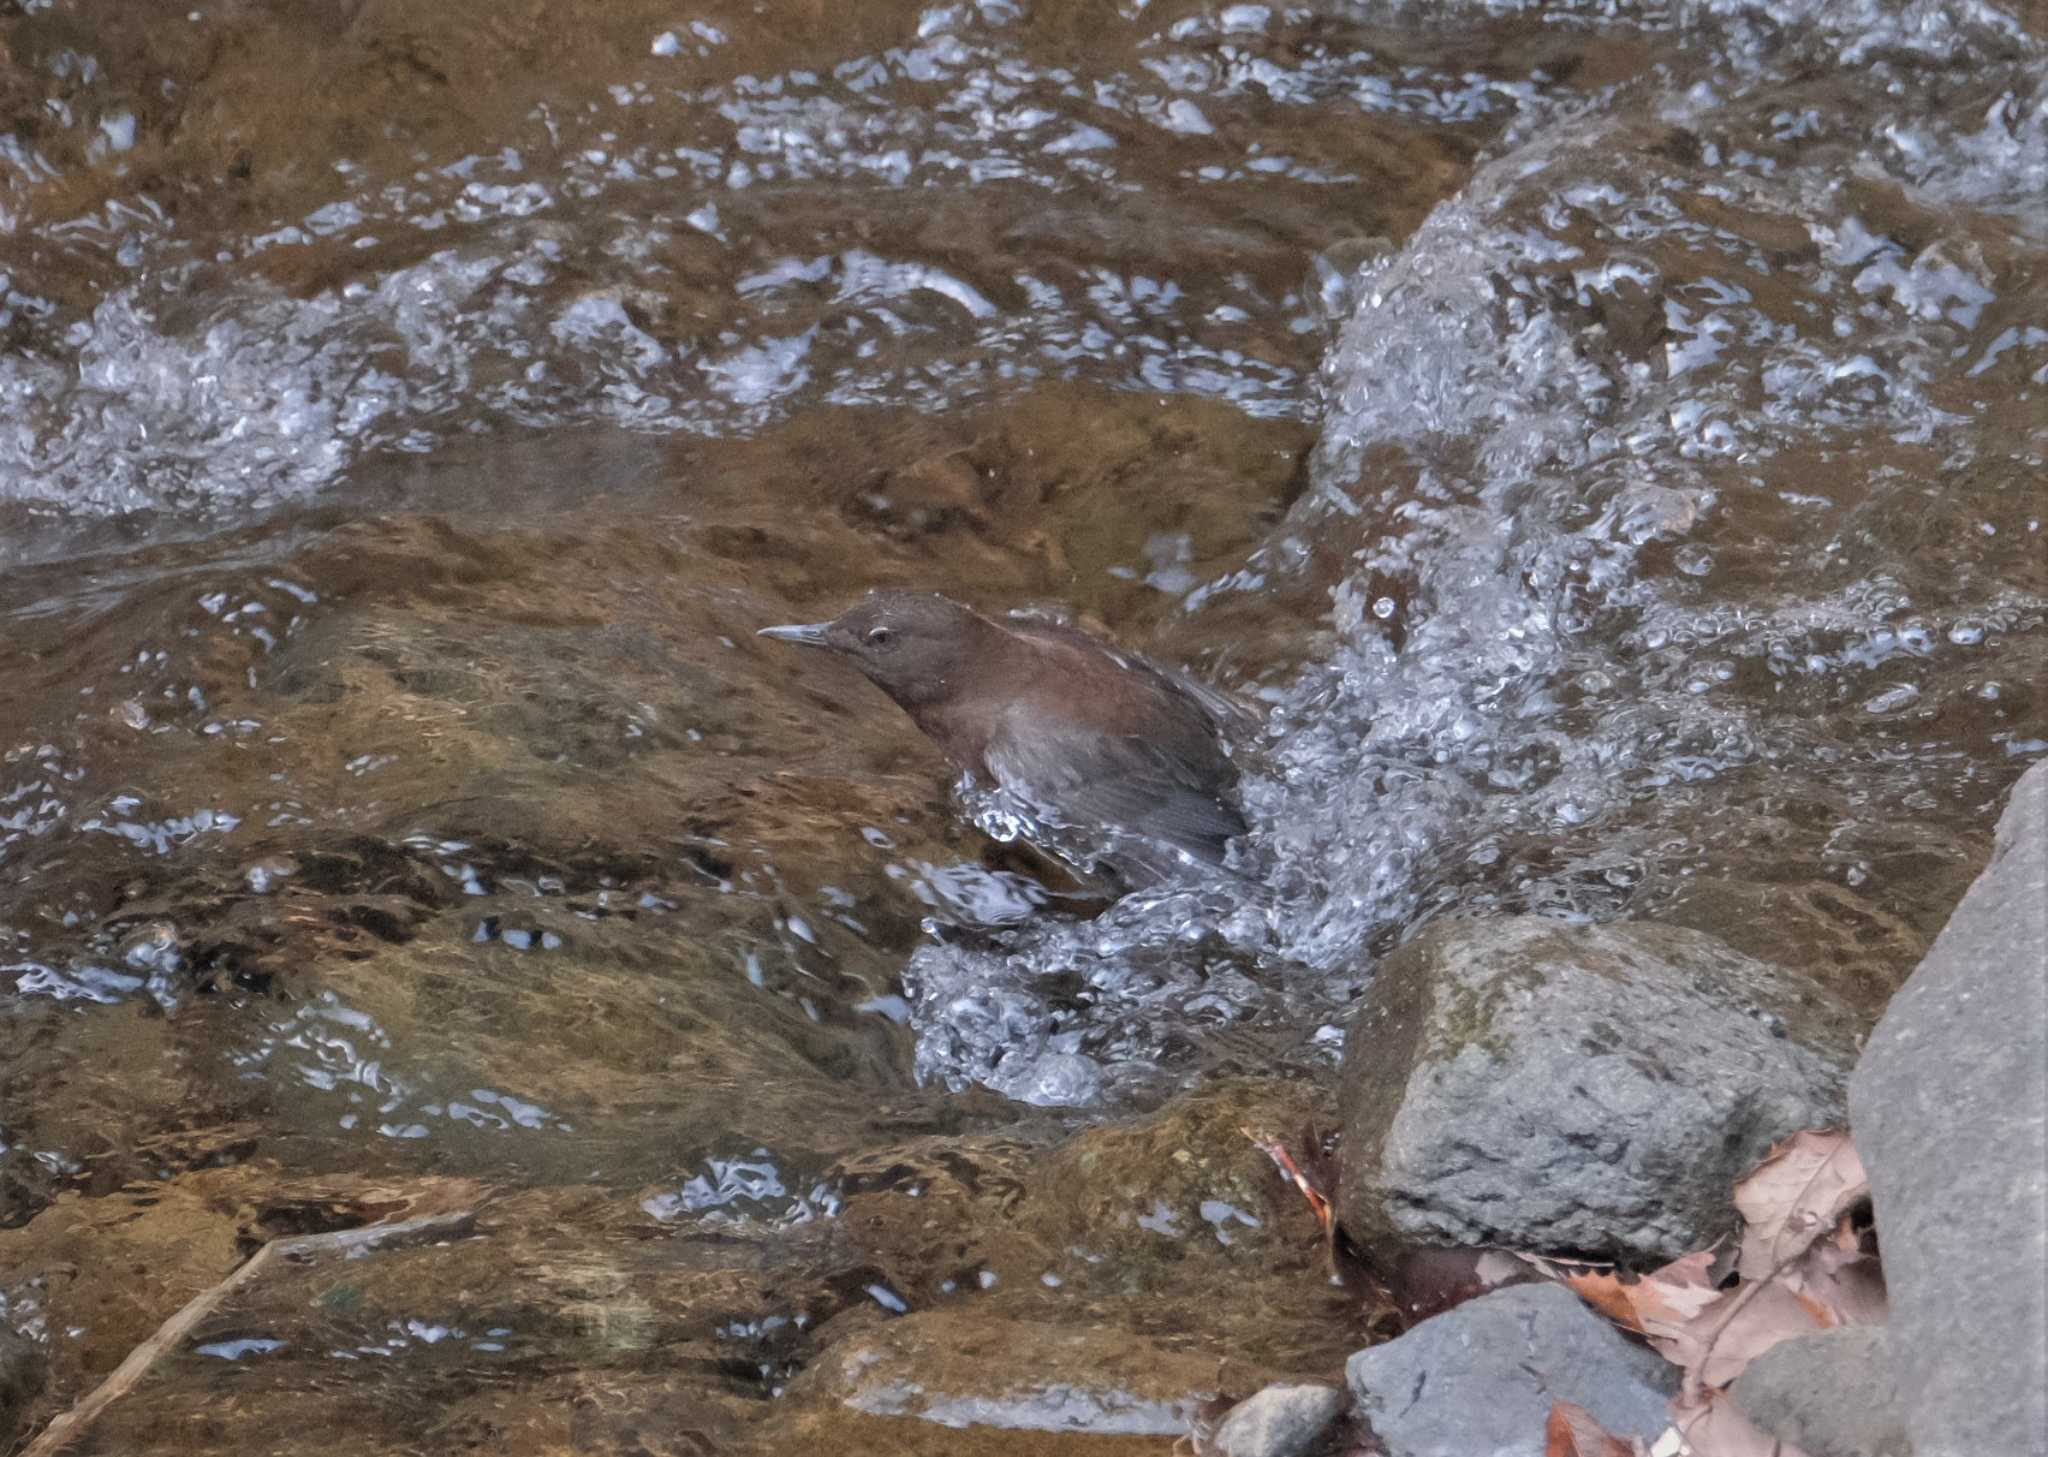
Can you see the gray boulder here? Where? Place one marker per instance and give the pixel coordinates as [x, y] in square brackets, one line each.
[1830, 1394]
[1949, 1107]
[1281, 1421]
[1483, 1378]
[1575, 1089]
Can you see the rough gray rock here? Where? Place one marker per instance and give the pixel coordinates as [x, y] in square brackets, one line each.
[1831, 1394]
[1281, 1421]
[1949, 1107]
[1483, 1378]
[1566, 1088]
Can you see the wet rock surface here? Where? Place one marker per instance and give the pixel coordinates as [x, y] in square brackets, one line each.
[1280, 1421]
[1949, 1108]
[1562, 1088]
[966, 1372]
[893, 1297]
[1483, 1377]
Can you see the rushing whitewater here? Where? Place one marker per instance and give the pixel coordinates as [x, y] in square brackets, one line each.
[1645, 354]
[1671, 539]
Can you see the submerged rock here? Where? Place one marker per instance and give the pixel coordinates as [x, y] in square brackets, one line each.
[1572, 1088]
[960, 1369]
[1483, 1378]
[1949, 1108]
[23, 1370]
[1281, 1421]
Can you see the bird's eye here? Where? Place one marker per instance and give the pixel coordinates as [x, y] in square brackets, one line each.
[880, 637]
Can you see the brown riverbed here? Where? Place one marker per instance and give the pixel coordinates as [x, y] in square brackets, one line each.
[399, 815]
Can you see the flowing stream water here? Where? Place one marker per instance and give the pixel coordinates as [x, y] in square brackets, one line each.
[1603, 442]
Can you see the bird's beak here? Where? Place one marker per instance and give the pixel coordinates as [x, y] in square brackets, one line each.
[809, 634]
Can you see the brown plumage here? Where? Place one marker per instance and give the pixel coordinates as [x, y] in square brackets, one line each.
[1083, 734]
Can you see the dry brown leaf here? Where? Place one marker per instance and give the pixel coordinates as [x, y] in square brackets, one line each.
[1795, 1196]
[1712, 1335]
[1804, 1266]
[1667, 1299]
[1714, 1426]
[1843, 1280]
[1661, 1303]
[1572, 1432]
[1606, 1293]
[1747, 1322]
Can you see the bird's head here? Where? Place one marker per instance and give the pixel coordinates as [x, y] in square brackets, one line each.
[911, 645]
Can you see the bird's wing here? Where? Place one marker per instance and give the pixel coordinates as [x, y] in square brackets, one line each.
[1230, 717]
[1082, 778]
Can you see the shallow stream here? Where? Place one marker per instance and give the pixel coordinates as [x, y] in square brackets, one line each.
[1604, 443]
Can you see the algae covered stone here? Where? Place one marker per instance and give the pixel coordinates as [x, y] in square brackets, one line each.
[1574, 1088]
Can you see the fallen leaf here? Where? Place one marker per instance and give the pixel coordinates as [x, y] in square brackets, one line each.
[1842, 1280]
[1746, 1322]
[1714, 1426]
[1794, 1197]
[1806, 1263]
[1667, 1299]
[1660, 1303]
[1606, 1293]
[1572, 1432]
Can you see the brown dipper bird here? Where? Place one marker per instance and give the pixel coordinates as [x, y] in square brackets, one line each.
[1080, 735]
